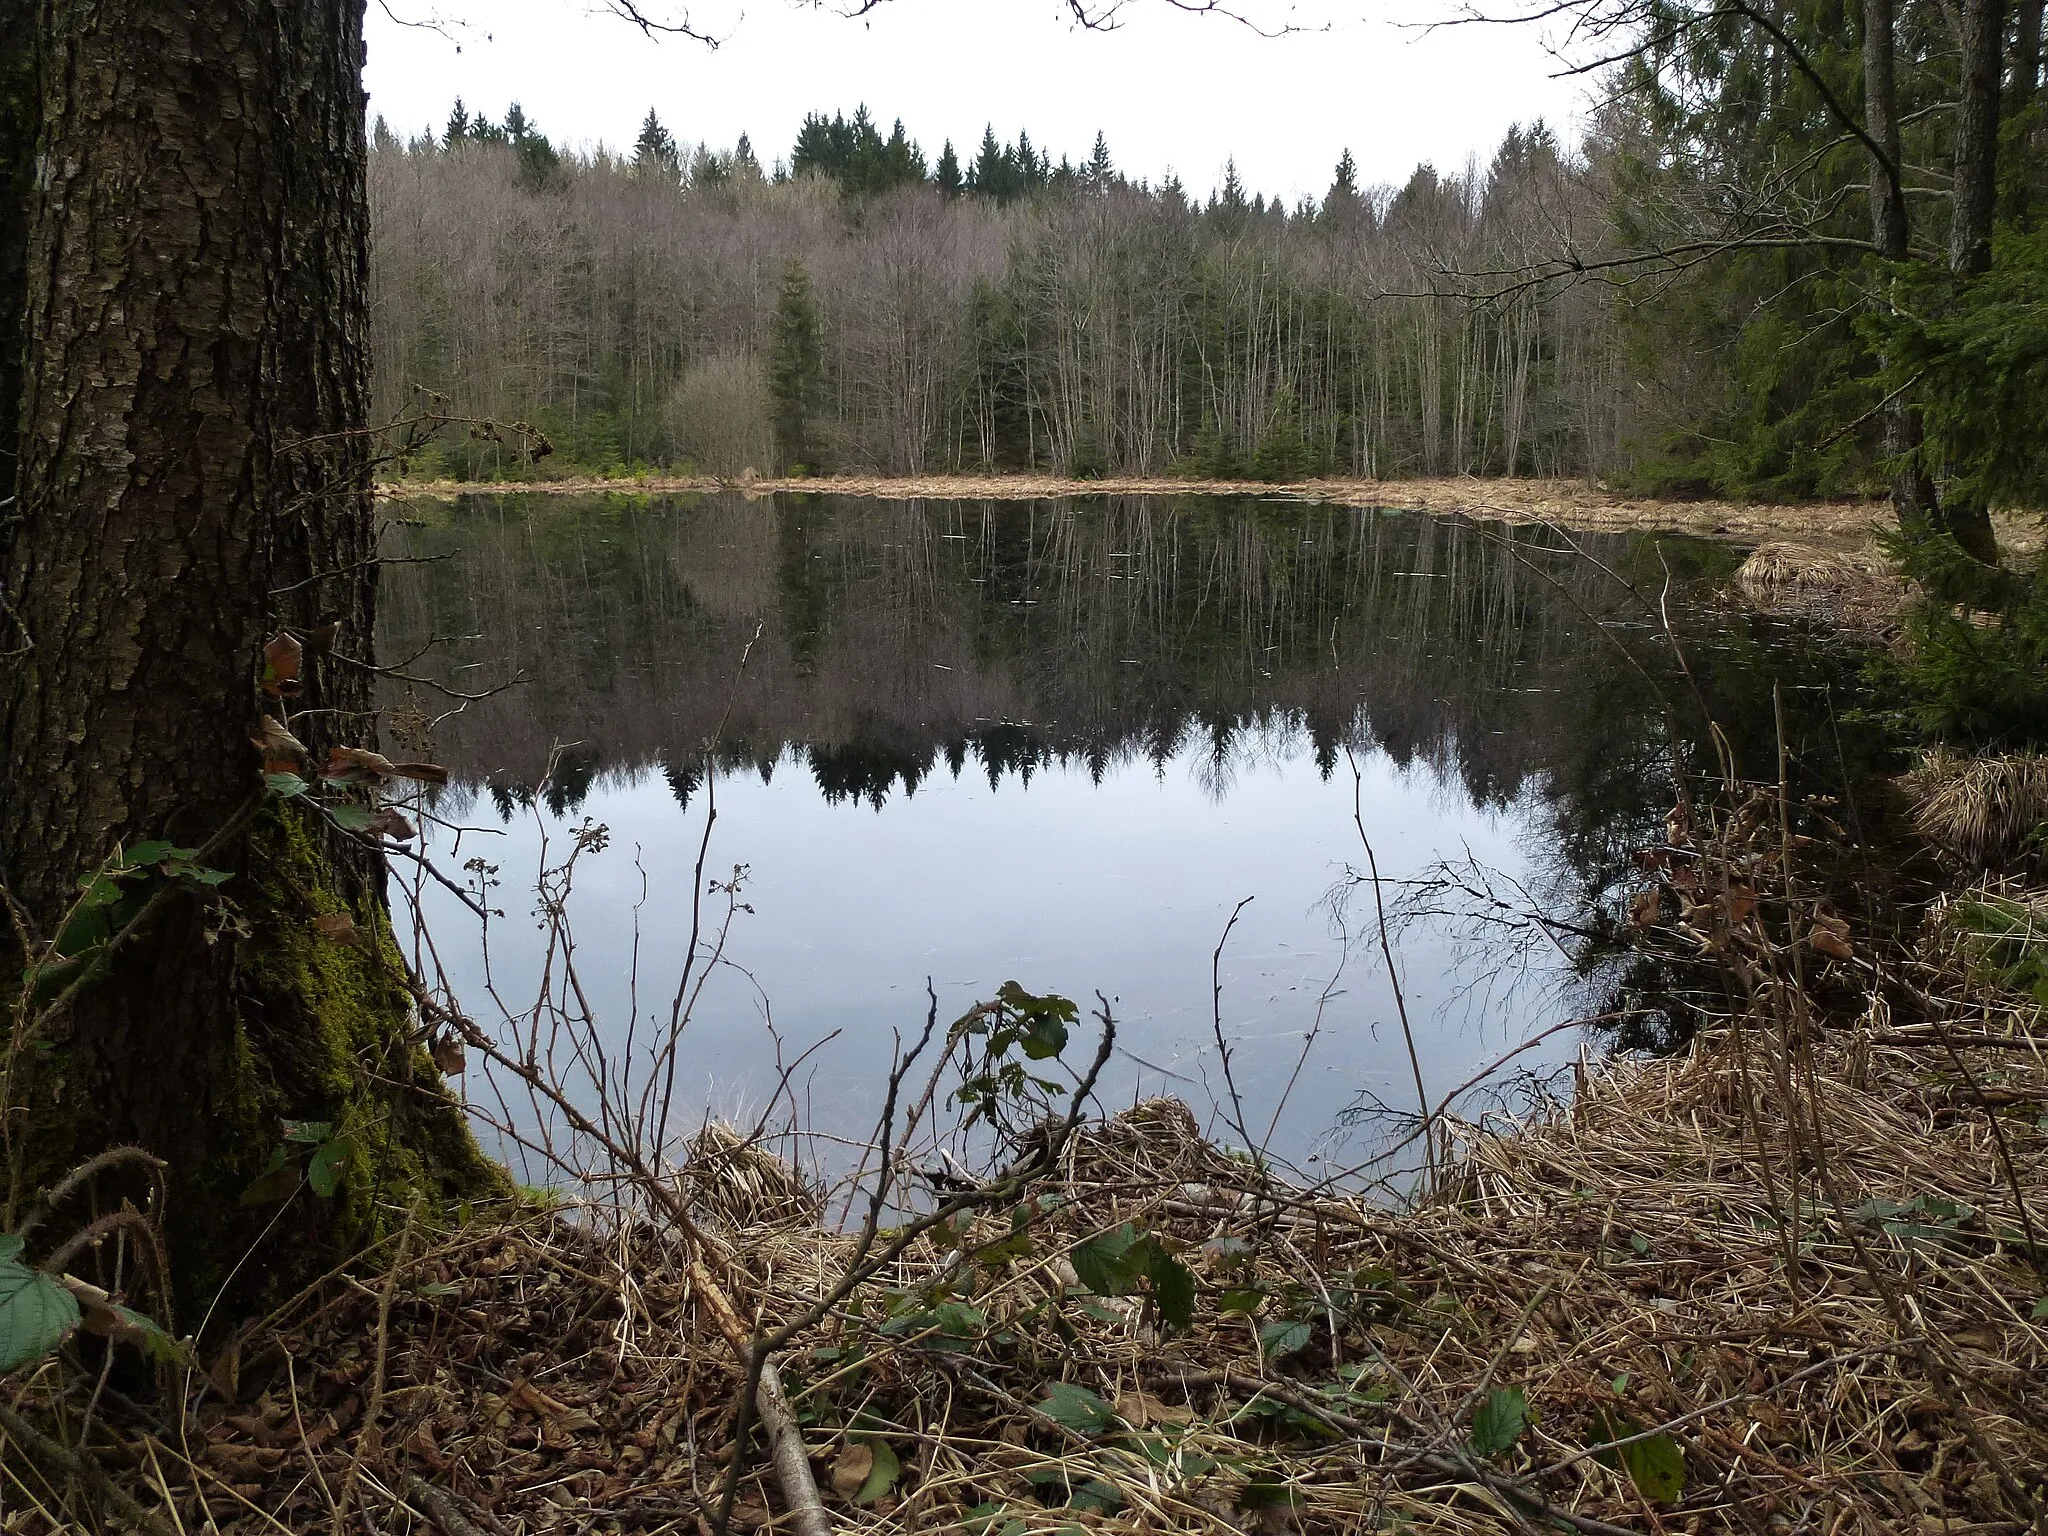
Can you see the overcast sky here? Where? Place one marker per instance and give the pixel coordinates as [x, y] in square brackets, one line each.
[1173, 92]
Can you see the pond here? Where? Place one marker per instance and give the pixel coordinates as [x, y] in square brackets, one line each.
[952, 744]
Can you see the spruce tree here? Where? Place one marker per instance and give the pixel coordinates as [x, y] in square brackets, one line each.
[1099, 168]
[814, 150]
[796, 368]
[744, 166]
[458, 124]
[989, 176]
[902, 160]
[1343, 206]
[538, 159]
[947, 177]
[654, 152]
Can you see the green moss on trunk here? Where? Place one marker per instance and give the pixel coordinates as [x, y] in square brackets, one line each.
[322, 1030]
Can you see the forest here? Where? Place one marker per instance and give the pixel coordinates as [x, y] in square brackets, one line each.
[664, 310]
[1688, 300]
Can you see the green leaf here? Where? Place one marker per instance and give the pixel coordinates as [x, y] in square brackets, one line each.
[1077, 1408]
[1096, 1495]
[101, 889]
[1246, 1301]
[45, 981]
[1268, 1493]
[157, 1344]
[277, 1184]
[87, 928]
[1044, 1020]
[1499, 1421]
[1102, 1263]
[1282, 1338]
[1655, 1465]
[285, 786]
[1173, 1289]
[2040, 1311]
[323, 1169]
[36, 1314]
[10, 1245]
[144, 854]
[352, 818]
[308, 1132]
[1658, 1467]
[882, 1476]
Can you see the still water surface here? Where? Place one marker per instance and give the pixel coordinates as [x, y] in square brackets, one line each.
[1063, 742]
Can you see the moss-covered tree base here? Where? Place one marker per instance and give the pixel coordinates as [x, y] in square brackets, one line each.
[320, 1054]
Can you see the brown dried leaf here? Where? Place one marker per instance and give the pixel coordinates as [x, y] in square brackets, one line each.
[1139, 1408]
[1741, 903]
[282, 751]
[423, 773]
[282, 657]
[1830, 936]
[226, 1371]
[449, 1057]
[390, 822]
[356, 765]
[244, 1460]
[323, 637]
[1678, 825]
[1645, 907]
[850, 1471]
[426, 1447]
[338, 928]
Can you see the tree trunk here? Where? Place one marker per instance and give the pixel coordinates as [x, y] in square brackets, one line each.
[1974, 202]
[1912, 490]
[2026, 77]
[17, 131]
[194, 475]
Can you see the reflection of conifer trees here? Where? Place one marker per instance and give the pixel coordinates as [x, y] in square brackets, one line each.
[684, 775]
[1092, 633]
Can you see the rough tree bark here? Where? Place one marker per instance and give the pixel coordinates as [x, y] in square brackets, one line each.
[190, 396]
[1972, 205]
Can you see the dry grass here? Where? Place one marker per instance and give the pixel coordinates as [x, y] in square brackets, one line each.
[1985, 811]
[1838, 526]
[1846, 525]
[1621, 1263]
[1849, 589]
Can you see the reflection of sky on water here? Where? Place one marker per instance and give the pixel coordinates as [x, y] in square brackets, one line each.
[1065, 885]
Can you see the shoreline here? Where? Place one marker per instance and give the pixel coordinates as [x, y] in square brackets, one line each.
[1589, 1322]
[1836, 525]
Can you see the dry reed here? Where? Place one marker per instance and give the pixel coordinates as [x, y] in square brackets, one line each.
[1985, 811]
[1622, 1263]
[1855, 590]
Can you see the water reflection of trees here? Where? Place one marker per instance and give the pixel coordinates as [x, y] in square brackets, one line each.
[906, 639]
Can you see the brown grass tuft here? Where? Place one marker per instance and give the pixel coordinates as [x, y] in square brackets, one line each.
[1982, 810]
[1855, 589]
